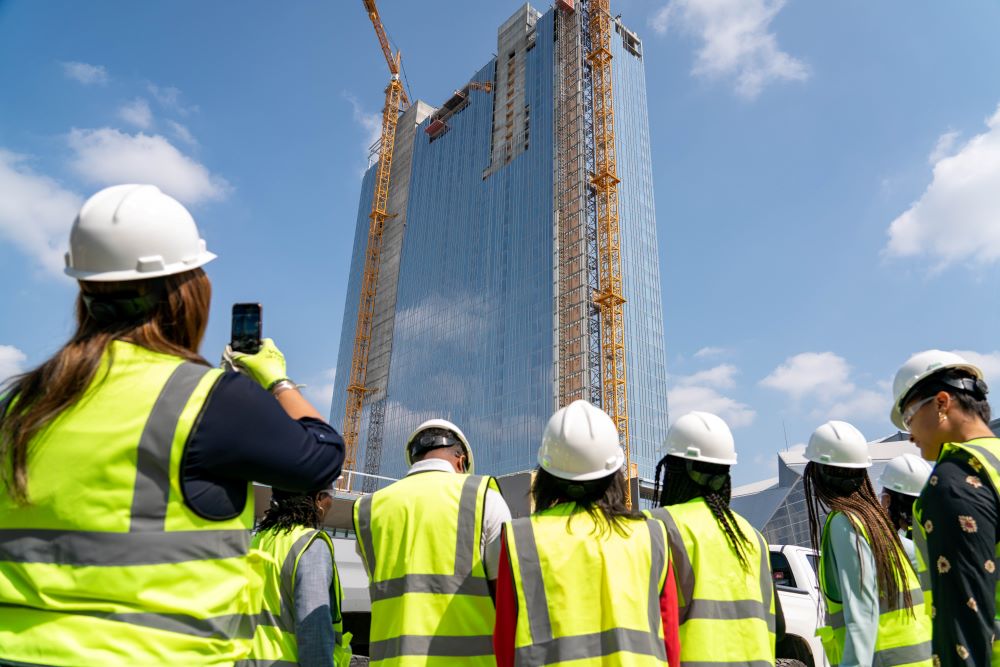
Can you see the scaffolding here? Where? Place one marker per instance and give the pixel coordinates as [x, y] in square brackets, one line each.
[609, 298]
[572, 264]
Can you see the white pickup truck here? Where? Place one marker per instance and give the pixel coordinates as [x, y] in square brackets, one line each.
[794, 570]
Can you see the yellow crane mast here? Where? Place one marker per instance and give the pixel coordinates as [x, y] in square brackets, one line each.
[396, 101]
[609, 297]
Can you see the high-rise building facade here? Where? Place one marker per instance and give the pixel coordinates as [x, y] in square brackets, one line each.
[484, 312]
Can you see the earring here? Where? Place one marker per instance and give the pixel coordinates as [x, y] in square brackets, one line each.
[942, 417]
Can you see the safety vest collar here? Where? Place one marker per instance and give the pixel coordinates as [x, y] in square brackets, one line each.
[548, 649]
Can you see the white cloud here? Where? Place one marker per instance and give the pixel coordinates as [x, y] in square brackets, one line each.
[825, 379]
[137, 113]
[824, 375]
[721, 376]
[321, 394]
[738, 43]
[35, 211]
[370, 122]
[685, 398]
[11, 362]
[988, 363]
[169, 97]
[107, 156]
[957, 218]
[699, 391]
[861, 405]
[707, 352]
[86, 74]
[943, 148]
[182, 133]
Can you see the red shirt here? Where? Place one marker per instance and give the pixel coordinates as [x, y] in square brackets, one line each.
[506, 625]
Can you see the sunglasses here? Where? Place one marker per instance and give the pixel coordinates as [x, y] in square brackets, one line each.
[912, 411]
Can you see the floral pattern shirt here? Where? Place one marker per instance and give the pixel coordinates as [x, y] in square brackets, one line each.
[961, 517]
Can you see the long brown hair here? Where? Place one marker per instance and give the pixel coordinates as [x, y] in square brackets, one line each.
[603, 499]
[849, 490]
[174, 324]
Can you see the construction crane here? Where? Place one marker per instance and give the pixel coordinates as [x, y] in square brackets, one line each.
[609, 297]
[396, 101]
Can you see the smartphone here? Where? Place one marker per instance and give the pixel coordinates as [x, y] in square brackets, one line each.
[246, 328]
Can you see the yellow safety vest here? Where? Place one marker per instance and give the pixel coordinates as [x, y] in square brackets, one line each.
[107, 565]
[586, 597]
[903, 638]
[274, 640]
[420, 542]
[726, 612]
[987, 452]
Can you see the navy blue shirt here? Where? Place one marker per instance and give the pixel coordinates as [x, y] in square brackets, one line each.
[243, 434]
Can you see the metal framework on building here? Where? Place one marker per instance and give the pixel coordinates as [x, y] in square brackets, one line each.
[396, 101]
[609, 298]
[573, 263]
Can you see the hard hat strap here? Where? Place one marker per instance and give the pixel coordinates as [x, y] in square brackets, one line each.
[119, 308]
[425, 442]
[975, 387]
[714, 482]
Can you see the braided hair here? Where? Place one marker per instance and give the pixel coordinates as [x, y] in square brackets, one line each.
[848, 490]
[900, 510]
[290, 510]
[686, 480]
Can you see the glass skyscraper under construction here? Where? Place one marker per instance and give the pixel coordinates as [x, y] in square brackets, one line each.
[483, 313]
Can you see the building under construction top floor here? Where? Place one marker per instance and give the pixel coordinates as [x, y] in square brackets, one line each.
[485, 308]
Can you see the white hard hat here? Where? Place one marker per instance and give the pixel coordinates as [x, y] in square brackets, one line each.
[447, 426]
[701, 436]
[580, 443]
[918, 367]
[838, 444]
[906, 474]
[133, 232]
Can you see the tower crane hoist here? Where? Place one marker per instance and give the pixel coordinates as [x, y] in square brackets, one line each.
[396, 101]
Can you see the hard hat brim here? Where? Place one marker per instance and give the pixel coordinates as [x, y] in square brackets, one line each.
[583, 476]
[703, 459]
[130, 275]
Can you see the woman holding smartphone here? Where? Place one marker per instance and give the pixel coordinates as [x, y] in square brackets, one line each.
[126, 459]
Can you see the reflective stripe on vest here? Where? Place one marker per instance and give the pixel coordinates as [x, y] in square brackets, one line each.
[903, 638]
[692, 528]
[148, 533]
[985, 451]
[545, 648]
[274, 640]
[407, 607]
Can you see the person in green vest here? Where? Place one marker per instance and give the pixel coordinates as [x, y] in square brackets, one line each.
[126, 459]
[301, 621]
[874, 606]
[585, 579]
[429, 543]
[902, 480]
[721, 564]
[941, 399]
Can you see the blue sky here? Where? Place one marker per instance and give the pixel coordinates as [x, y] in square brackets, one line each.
[827, 176]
